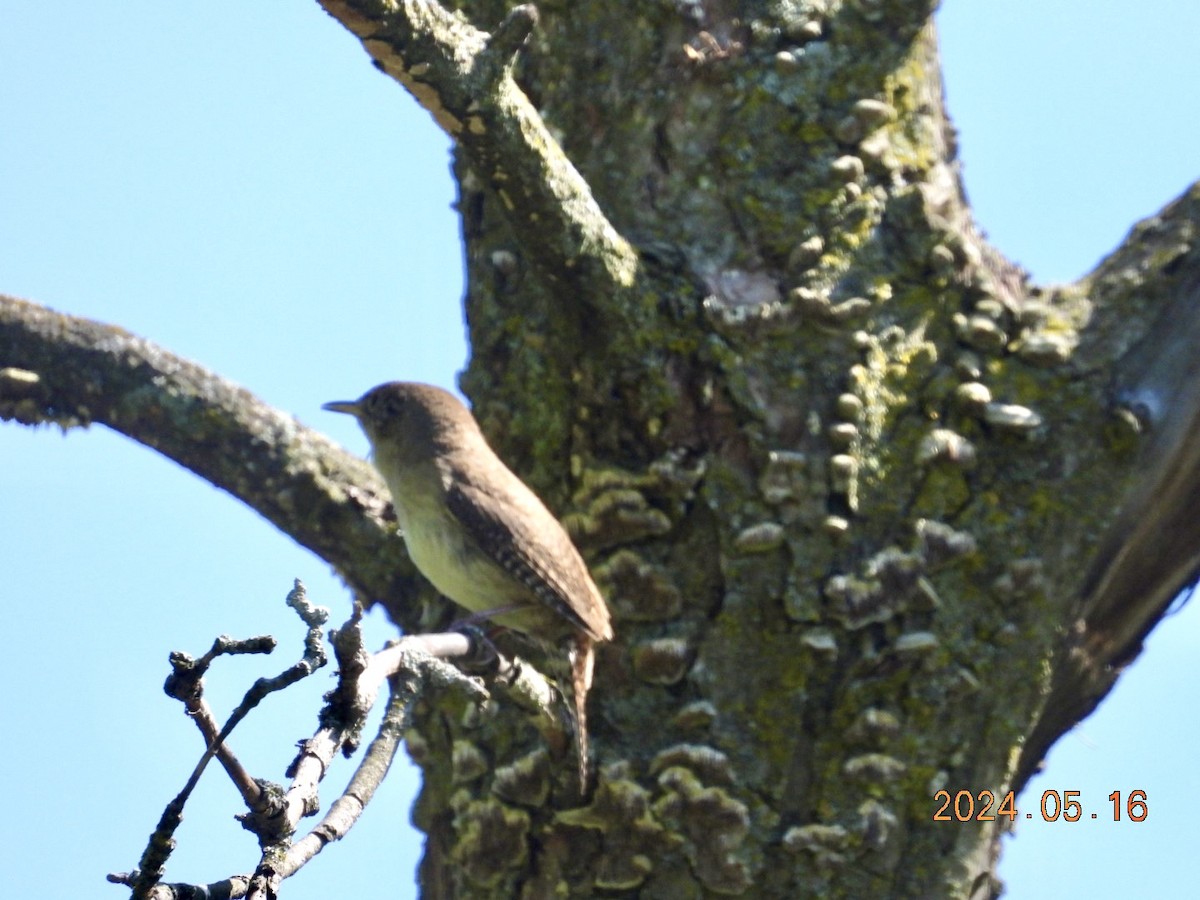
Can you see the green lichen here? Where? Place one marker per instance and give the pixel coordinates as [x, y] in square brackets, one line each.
[492, 841]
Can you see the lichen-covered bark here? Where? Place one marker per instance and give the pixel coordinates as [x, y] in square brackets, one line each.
[841, 497]
[875, 516]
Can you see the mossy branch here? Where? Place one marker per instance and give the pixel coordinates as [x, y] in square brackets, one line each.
[463, 76]
[1145, 330]
[71, 371]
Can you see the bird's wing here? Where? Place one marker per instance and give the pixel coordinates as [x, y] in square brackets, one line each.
[505, 524]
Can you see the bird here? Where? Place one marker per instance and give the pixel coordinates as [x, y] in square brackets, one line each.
[478, 533]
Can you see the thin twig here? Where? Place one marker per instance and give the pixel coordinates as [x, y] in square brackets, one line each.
[414, 667]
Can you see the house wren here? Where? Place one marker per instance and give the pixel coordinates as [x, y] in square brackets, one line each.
[477, 532]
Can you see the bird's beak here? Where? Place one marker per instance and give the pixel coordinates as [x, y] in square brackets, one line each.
[349, 407]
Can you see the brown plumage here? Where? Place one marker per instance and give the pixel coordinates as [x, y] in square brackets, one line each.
[478, 533]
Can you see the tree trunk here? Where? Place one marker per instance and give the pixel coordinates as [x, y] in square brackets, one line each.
[876, 517]
[838, 465]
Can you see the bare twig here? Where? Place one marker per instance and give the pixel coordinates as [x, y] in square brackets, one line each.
[414, 668]
[417, 671]
[186, 684]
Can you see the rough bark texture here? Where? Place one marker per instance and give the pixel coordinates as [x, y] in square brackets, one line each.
[874, 515]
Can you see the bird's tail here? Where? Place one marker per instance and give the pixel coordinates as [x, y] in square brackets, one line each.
[583, 660]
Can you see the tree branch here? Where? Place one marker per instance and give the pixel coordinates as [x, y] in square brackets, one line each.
[411, 672]
[1147, 301]
[414, 668]
[463, 76]
[71, 371]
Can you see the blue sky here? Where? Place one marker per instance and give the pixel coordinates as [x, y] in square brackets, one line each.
[235, 182]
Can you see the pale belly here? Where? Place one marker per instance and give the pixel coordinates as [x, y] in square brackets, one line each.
[459, 571]
[454, 566]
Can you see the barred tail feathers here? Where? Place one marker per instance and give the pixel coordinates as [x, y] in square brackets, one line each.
[583, 659]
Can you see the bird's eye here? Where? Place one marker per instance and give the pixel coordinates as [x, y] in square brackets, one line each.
[384, 405]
